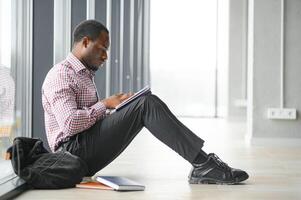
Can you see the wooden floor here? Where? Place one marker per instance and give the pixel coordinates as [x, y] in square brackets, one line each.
[274, 169]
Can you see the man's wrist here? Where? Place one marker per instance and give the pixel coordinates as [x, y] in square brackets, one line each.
[104, 102]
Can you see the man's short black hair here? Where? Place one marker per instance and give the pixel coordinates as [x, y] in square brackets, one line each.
[88, 28]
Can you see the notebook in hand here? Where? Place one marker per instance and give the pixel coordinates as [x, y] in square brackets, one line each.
[140, 93]
[120, 183]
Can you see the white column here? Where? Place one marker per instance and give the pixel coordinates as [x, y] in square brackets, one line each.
[90, 9]
[61, 30]
[108, 63]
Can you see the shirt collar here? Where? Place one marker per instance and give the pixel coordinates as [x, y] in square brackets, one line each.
[77, 65]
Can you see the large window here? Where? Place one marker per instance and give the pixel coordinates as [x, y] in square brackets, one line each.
[7, 88]
[15, 78]
[188, 55]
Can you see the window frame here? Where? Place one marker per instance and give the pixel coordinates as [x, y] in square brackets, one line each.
[22, 15]
[21, 67]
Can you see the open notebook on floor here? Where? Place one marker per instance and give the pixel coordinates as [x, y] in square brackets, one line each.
[111, 183]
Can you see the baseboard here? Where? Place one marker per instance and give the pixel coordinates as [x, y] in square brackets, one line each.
[272, 141]
[12, 188]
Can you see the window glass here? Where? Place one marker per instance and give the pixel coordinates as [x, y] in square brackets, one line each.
[184, 55]
[9, 114]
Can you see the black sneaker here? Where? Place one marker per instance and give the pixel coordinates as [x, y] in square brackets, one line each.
[215, 171]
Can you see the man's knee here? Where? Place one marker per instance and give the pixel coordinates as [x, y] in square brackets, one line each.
[147, 97]
[151, 99]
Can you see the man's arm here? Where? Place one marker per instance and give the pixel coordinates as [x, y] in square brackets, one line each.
[61, 95]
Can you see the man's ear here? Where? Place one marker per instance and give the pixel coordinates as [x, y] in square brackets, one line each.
[85, 41]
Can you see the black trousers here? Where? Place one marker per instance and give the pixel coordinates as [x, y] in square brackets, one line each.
[104, 141]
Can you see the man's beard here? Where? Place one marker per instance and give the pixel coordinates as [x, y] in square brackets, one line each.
[90, 67]
[93, 68]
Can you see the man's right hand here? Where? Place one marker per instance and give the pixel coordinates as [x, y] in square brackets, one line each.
[112, 101]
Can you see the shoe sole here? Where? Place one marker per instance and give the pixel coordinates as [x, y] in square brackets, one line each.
[218, 182]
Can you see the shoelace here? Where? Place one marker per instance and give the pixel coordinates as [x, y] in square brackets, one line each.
[219, 162]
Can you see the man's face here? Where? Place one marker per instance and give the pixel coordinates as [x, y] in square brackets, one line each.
[95, 53]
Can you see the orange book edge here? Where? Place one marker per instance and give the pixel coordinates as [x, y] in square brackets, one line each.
[93, 185]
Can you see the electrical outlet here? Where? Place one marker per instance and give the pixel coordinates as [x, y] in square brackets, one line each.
[282, 113]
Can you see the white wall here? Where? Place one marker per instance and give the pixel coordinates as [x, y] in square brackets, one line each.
[237, 59]
[264, 77]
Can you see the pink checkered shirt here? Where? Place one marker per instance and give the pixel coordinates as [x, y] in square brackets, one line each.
[70, 101]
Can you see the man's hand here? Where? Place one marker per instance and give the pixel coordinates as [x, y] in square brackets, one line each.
[112, 101]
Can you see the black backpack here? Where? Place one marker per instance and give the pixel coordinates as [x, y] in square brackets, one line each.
[44, 170]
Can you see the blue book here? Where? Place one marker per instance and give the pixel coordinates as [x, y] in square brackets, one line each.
[120, 183]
